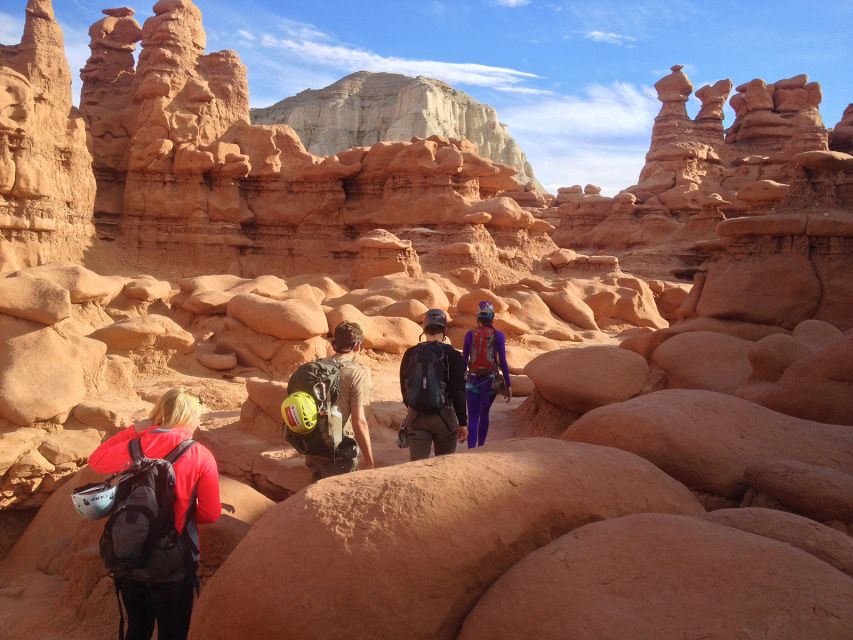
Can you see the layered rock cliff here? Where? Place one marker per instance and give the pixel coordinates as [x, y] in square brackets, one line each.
[46, 182]
[365, 108]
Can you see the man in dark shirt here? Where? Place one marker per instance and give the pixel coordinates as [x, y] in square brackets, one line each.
[442, 427]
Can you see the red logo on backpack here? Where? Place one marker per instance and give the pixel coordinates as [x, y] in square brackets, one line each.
[482, 360]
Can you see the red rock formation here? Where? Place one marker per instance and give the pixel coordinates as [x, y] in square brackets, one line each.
[46, 184]
[197, 175]
[842, 135]
[696, 176]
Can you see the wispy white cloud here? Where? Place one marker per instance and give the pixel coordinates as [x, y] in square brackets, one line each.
[512, 3]
[349, 59]
[11, 28]
[600, 136]
[608, 37]
[530, 91]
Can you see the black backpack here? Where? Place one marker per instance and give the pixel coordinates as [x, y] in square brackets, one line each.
[139, 541]
[426, 378]
[321, 379]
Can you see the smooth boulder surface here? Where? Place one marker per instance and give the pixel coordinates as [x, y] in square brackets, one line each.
[83, 285]
[418, 529]
[812, 490]
[35, 299]
[293, 319]
[43, 373]
[588, 377]
[818, 386]
[654, 576]
[813, 537]
[704, 360]
[707, 440]
[773, 289]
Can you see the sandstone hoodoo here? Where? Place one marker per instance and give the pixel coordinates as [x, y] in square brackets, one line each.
[697, 174]
[365, 108]
[46, 182]
[180, 167]
[663, 460]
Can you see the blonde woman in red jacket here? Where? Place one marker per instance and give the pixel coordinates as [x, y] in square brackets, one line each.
[173, 419]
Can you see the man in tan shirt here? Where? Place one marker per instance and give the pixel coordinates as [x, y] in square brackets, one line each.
[353, 400]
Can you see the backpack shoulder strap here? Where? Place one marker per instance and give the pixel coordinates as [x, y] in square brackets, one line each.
[178, 451]
[135, 448]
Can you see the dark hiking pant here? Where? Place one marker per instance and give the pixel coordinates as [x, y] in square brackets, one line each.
[428, 431]
[169, 605]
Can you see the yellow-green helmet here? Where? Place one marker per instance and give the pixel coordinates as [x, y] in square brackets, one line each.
[299, 412]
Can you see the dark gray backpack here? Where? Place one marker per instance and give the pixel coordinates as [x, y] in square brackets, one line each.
[139, 541]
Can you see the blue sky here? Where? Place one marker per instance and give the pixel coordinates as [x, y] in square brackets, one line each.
[572, 79]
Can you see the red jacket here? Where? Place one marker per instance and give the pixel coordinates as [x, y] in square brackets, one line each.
[195, 466]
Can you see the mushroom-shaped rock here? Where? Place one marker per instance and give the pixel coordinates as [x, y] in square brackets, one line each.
[43, 373]
[581, 379]
[146, 332]
[814, 491]
[36, 299]
[369, 523]
[821, 541]
[294, 319]
[704, 360]
[707, 440]
[652, 576]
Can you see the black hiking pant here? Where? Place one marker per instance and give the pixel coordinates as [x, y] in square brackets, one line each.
[169, 605]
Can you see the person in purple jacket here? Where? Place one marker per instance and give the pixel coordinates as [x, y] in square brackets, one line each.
[488, 373]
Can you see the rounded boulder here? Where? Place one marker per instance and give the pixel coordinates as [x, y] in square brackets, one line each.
[707, 440]
[704, 360]
[652, 576]
[418, 529]
[585, 378]
[294, 319]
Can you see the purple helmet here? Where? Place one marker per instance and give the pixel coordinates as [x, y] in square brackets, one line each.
[486, 310]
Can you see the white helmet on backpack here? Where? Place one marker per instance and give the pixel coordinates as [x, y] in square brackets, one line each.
[94, 501]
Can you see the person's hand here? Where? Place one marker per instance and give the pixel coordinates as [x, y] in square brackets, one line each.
[366, 466]
[462, 434]
[508, 394]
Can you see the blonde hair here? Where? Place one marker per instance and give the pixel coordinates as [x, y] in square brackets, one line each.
[175, 408]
